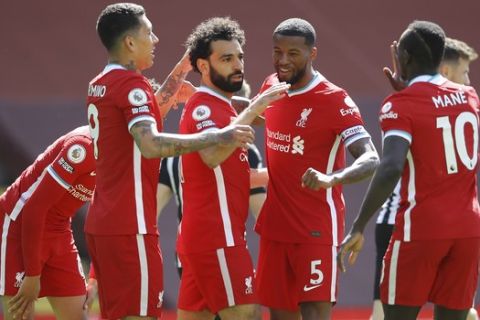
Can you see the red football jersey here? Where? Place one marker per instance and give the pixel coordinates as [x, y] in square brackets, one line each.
[124, 201]
[215, 201]
[308, 128]
[438, 186]
[69, 160]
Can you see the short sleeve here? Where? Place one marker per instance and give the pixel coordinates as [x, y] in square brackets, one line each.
[395, 119]
[203, 115]
[74, 159]
[137, 101]
[347, 120]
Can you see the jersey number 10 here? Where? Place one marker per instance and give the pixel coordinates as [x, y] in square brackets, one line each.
[459, 144]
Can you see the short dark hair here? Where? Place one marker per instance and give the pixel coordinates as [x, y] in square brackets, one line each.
[115, 20]
[456, 49]
[425, 42]
[213, 29]
[297, 27]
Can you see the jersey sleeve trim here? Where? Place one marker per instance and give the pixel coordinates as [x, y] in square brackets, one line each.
[57, 178]
[351, 140]
[399, 133]
[140, 118]
[352, 134]
[210, 129]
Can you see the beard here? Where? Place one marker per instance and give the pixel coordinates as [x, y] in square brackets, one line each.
[296, 76]
[225, 83]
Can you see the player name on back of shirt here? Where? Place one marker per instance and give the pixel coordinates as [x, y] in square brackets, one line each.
[449, 100]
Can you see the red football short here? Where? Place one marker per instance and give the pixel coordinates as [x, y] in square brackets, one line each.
[291, 273]
[444, 272]
[129, 271]
[62, 274]
[216, 280]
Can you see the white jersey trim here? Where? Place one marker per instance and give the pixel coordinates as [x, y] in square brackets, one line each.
[141, 118]
[3, 254]
[142, 257]
[392, 276]
[211, 92]
[316, 80]
[329, 191]
[407, 228]
[223, 202]
[227, 282]
[57, 178]
[333, 286]
[137, 180]
[437, 79]
[399, 133]
[24, 197]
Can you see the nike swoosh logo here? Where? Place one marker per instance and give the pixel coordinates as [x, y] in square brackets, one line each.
[310, 288]
[93, 173]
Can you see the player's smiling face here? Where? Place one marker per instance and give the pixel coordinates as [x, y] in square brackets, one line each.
[292, 58]
[145, 41]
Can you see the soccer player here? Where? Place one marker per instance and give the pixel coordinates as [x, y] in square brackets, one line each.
[38, 255]
[456, 61]
[301, 222]
[454, 67]
[125, 121]
[217, 268]
[169, 179]
[430, 138]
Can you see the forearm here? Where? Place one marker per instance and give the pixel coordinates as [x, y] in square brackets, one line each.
[362, 168]
[170, 87]
[381, 187]
[215, 155]
[258, 177]
[153, 144]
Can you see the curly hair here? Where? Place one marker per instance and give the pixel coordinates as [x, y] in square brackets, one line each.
[213, 29]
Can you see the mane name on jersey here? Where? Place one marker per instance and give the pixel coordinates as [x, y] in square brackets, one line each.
[449, 100]
[96, 90]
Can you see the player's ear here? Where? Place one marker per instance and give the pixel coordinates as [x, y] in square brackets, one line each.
[203, 66]
[444, 69]
[313, 53]
[129, 42]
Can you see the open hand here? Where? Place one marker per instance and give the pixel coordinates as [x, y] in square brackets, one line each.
[395, 76]
[353, 244]
[264, 99]
[21, 306]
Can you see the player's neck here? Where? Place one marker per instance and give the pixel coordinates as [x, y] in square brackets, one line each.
[304, 81]
[216, 89]
[125, 61]
[412, 73]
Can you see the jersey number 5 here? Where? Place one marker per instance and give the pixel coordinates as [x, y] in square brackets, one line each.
[94, 126]
[459, 143]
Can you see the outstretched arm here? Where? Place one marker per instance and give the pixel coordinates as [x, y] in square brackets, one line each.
[214, 156]
[168, 93]
[366, 160]
[383, 183]
[153, 144]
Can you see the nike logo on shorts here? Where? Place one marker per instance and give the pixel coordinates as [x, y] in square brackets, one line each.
[306, 288]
